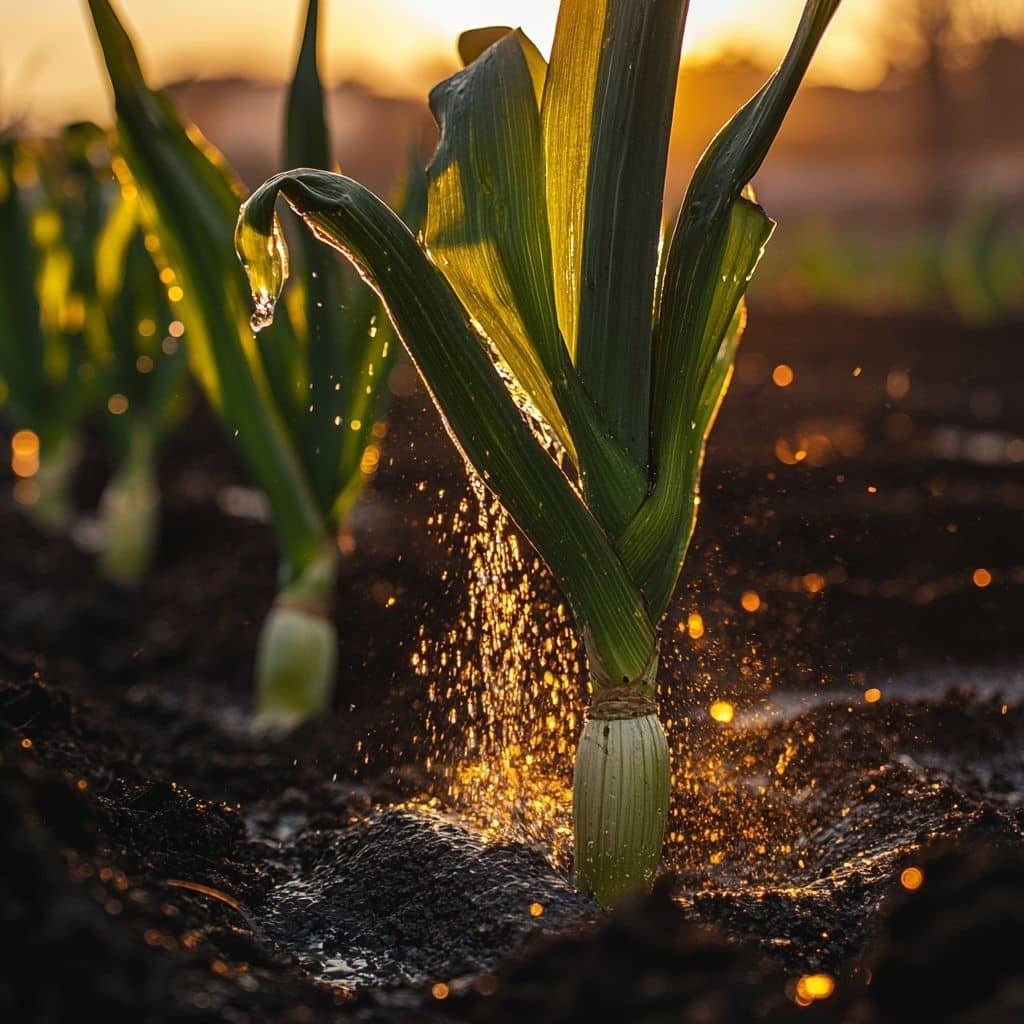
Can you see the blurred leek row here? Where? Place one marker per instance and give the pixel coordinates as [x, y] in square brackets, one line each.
[302, 401]
[141, 368]
[51, 206]
[543, 232]
[80, 309]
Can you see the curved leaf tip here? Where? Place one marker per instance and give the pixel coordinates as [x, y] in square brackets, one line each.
[260, 244]
[475, 41]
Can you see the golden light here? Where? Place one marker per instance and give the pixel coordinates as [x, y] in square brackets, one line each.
[722, 711]
[439, 990]
[536, 909]
[25, 174]
[419, 36]
[506, 770]
[750, 601]
[370, 460]
[812, 987]
[981, 578]
[912, 878]
[175, 328]
[873, 695]
[147, 328]
[25, 453]
[695, 625]
[813, 582]
[175, 293]
[784, 452]
[897, 384]
[782, 375]
[26, 492]
[72, 314]
[117, 405]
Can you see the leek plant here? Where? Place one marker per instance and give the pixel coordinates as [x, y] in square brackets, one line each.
[301, 402]
[141, 370]
[52, 203]
[543, 254]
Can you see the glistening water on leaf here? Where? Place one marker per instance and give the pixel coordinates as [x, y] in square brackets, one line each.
[301, 399]
[540, 263]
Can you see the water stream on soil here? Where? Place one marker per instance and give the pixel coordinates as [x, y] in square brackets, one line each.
[791, 820]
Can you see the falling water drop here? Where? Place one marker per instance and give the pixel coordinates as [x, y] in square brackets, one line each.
[263, 304]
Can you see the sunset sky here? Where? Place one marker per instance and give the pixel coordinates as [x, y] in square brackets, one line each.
[49, 69]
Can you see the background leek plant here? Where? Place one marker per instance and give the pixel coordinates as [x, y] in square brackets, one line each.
[301, 402]
[141, 371]
[52, 205]
[542, 250]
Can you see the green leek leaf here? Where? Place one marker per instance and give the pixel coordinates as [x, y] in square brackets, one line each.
[479, 412]
[715, 246]
[655, 542]
[633, 99]
[487, 230]
[486, 219]
[328, 293]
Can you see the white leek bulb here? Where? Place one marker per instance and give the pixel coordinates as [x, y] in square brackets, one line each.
[620, 795]
[295, 665]
[297, 654]
[52, 510]
[129, 517]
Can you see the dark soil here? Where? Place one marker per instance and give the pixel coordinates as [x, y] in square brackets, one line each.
[160, 861]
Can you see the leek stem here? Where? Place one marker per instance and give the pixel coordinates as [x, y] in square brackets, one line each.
[297, 654]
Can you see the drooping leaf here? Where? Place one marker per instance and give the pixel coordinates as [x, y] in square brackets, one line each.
[479, 413]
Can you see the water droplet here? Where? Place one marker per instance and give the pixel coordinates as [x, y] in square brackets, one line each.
[263, 310]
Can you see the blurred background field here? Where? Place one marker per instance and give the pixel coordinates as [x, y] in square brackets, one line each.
[898, 180]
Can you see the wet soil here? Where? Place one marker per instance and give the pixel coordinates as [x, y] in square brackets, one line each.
[160, 861]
